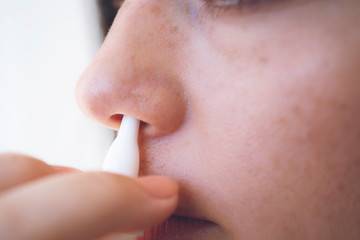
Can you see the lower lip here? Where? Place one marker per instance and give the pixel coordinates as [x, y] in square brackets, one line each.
[177, 228]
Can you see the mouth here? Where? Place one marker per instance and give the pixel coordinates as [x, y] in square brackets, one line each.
[179, 228]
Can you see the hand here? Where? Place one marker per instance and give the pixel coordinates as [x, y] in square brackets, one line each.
[39, 201]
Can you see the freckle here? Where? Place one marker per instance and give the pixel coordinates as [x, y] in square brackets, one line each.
[341, 187]
[285, 227]
[264, 60]
[296, 110]
[342, 106]
[281, 120]
[156, 10]
[174, 29]
[171, 45]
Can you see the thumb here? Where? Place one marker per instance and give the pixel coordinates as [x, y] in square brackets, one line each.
[85, 206]
[162, 193]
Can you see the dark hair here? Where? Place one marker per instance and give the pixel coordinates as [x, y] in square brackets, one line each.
[108, 11]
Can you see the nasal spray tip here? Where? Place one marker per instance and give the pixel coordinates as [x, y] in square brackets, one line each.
[123, 156]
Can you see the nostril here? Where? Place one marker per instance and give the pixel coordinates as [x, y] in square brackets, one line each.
[116, 119]
[115, 122]
[148, 128]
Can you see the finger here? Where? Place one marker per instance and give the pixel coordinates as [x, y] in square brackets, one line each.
[85, 206]
[16, 169]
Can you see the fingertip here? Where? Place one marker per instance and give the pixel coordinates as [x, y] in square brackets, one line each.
[159, 186]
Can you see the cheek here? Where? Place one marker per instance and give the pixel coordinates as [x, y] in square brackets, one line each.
[271, 136]
[282, 152]
[280, 131]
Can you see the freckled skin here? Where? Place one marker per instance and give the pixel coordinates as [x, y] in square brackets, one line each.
[254, 112]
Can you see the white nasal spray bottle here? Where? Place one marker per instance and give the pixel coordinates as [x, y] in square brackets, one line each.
[123, 156]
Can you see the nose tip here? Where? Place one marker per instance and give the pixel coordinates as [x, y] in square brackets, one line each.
[158, 101]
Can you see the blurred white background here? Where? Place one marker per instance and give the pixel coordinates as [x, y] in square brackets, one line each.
[44, 47]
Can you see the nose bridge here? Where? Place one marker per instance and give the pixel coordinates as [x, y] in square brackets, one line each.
[150, 32]
[136, 70]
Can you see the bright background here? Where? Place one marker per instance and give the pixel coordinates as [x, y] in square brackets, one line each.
[44, 47]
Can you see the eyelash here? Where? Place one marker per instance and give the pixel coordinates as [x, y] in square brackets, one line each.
[217, 7]
[231, 3]
[223, 3]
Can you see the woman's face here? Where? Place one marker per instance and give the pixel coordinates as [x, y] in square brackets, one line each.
[252, 106]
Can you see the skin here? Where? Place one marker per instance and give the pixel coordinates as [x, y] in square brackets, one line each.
[254, 110]
[39, 201]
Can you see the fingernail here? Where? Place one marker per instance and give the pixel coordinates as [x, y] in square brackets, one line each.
[159, 187]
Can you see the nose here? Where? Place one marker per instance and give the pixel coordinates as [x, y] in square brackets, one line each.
[138, 70]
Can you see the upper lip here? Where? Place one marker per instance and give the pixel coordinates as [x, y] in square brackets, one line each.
[189, 215]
